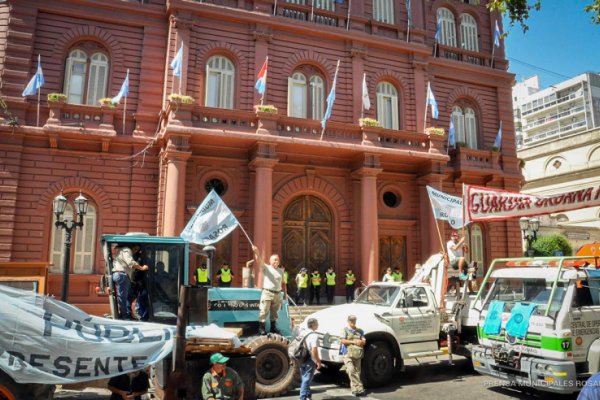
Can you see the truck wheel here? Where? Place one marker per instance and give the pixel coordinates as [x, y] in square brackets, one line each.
[276, 373]
[377, 365]
[11, 390]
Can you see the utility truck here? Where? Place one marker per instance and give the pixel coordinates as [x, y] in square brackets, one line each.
[539, 324]
[402, 321]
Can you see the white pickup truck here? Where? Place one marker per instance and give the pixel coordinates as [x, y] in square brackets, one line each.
[560, 343]
[400, 321]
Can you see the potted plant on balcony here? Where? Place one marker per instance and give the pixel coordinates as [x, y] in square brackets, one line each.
[106, 102]
[56, 101]
[369, 123]
[266, 108]
[267, 115]
[435, 131]
[180, 109]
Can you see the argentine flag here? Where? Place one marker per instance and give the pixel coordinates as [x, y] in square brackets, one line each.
[431, 102]
[123, 92]
[177, 61]
[451, 134]
[36, 81]
[497, 35]
[498, 141]
[330, 98]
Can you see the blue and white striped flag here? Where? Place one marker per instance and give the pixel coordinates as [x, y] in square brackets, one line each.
[451, 134]
[36, 81]
[497, 35]
[330, 98]
[124, 90]
[438, 31]
[211, 222]
[431, 102]
[498, 141]
[176, 64]
[409, 13]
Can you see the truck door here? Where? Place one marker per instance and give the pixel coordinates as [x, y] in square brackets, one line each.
[415, 316]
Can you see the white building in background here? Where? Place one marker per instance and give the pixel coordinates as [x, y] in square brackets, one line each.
[559, 146]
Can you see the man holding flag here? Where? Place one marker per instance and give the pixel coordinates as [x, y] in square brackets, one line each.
[272, 286]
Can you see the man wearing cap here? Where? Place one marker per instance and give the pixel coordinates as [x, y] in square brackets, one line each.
[221, 382]
[353, 343]
[330, 285]
[201, 276]
[456, 258]
[272, 286]
[349, 283]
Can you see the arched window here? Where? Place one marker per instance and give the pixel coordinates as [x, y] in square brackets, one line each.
[468, 33]
[447, 26]
[465, 125]
[387, 105]
[306, 94]
[83, 243]
[86, 75]
[220, 74]
[383, 11]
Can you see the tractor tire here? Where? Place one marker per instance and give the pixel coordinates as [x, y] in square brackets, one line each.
[276, 373]
[377, 365]
[11, 390]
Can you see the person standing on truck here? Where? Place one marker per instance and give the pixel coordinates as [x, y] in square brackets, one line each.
[202, 278]
[397, 275]
[330, 285]
[122, 270]
[272, 286]
[225, 275]
[349, 283]
[353, 343]
[313, 362]
[302, 283]
[315, 287]
[129, 386]
[221, 382]
[139, 289]
[456, 260]
[388, 277]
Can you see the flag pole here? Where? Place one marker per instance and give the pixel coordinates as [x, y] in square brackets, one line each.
[275, 8]
[362, 106]
[348, 18]
[312, 10]
[38, 107]
[426, 103]
[124, 113]
[492, 62]
[408, 33]
[245, 233]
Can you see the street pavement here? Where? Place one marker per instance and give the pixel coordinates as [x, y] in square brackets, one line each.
[427, 378]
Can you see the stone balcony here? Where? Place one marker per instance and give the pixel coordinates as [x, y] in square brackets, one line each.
[475, 161]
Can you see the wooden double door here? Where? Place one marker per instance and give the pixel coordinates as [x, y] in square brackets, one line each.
[392, 254]
[307, 237]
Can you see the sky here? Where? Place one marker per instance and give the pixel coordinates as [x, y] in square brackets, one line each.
[562, 42]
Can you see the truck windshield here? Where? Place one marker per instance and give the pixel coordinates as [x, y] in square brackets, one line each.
[380, 295]
[527, 290]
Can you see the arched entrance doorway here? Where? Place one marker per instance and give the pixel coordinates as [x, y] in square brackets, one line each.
[307, 239]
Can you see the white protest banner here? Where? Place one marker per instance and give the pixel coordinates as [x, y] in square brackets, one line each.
[495, 204]
[211, 222]
[51, 342]
[446, 207]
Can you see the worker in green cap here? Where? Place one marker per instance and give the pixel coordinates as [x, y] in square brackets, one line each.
[220, 381]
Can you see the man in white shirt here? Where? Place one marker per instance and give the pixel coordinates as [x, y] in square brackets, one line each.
[122, 272]
[272, 286]
[456, 257]
[313, 363]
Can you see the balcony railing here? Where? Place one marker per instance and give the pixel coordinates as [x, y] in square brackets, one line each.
[550, 102]
[562, 131]
[482, 161]
[555, 117]
[457, 54]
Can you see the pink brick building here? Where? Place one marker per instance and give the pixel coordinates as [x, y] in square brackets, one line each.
[355, 199]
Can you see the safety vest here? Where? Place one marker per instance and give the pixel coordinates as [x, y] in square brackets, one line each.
[285, 277]
[350, 279]
[315, 279]
[330, 278]
[397, 276]
[302, 281]
[201, 275]
[225, 275]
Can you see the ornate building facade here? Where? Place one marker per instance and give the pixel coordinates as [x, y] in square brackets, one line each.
[355, 198]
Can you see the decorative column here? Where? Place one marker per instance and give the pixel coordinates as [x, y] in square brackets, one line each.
[358, 69]
[430, 240]
[175, 156]
[369, 229]
[263, 163]
[419, 77]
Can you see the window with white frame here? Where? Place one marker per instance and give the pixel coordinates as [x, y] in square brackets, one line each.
[83, 243]
[468, 33]
[306, 94]
[447, 27]
[325, 5]
[302, 2]
[220, 75]
[383, 11]
[86, 75]
[465, 125]
[387, 105]
[476, 249]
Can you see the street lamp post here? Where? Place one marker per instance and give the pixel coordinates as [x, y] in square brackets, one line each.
[530, 227]
[59, 204]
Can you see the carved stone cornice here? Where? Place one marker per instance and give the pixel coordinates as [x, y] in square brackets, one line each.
[359, 52]
[181, 22]
[262, 36]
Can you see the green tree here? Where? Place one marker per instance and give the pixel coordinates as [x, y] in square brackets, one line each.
[518, 10]
[545, 246]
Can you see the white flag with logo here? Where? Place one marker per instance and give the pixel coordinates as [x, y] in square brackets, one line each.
[446, 207]
[211, 222]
